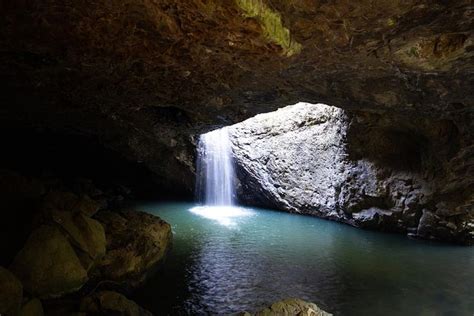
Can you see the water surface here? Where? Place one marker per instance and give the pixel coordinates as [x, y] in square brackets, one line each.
[225, 261]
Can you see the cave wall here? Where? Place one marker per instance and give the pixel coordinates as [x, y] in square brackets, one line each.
[392, 175]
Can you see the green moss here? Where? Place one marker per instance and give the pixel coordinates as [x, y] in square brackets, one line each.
[271, 24]
[413, 52]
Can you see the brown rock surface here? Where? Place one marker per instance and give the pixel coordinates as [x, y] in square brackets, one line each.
[111, 303]
[136, 244]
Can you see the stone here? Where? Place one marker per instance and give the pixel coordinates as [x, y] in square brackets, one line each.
[111, 303]
[32, 308]
[427, 225]
[85, 233]
[291, 307]
[11, 293]
[335, 167]
[136, 243]
[47, 265]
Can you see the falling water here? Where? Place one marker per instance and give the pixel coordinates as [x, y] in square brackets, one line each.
[215, 174]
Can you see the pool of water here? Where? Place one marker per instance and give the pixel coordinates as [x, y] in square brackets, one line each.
[228, 260]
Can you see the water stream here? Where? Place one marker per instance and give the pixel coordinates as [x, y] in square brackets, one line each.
[215, 170]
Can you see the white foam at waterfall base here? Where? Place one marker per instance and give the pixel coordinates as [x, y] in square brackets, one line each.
[224, 215]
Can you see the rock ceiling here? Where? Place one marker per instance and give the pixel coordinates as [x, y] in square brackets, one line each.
[226, 60]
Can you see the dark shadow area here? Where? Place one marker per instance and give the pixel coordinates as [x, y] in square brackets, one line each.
[391, 148]
[69, 157]
[35, 162]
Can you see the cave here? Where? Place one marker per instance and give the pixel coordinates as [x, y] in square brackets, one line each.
[254, 157]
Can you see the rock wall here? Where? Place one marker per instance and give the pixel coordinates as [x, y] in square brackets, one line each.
[319, 160]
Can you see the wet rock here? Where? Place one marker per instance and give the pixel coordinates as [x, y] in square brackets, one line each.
[291, 307]
[11, 293]
[32, 308]
[111, 303]
[136, 244]
[47, 265]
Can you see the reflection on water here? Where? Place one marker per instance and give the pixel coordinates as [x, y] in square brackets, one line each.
[243, 259]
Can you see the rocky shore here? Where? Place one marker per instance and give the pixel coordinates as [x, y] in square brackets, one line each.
[80, 252]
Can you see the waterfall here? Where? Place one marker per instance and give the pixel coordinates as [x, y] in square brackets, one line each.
[215, 170]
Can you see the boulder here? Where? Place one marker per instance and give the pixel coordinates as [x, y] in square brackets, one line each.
[11, 293]
[111, 303]
[47, 265]
[32, 308]
[136, 243]
[85, 233]
[290, 307]
[353, 168]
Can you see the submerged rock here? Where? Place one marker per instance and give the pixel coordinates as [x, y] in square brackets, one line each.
[11, 293]
[136, 244]
[111, 303]
[291, 307]
[47, 265]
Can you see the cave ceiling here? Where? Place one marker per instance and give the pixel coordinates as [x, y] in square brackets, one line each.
[226, 60]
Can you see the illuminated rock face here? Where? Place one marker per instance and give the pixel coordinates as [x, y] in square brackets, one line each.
[305, 158]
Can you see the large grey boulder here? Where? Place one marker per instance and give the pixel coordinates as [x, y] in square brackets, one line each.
[316, 159]
[294, 158]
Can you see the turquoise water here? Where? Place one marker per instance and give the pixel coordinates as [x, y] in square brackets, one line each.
[223, 262]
